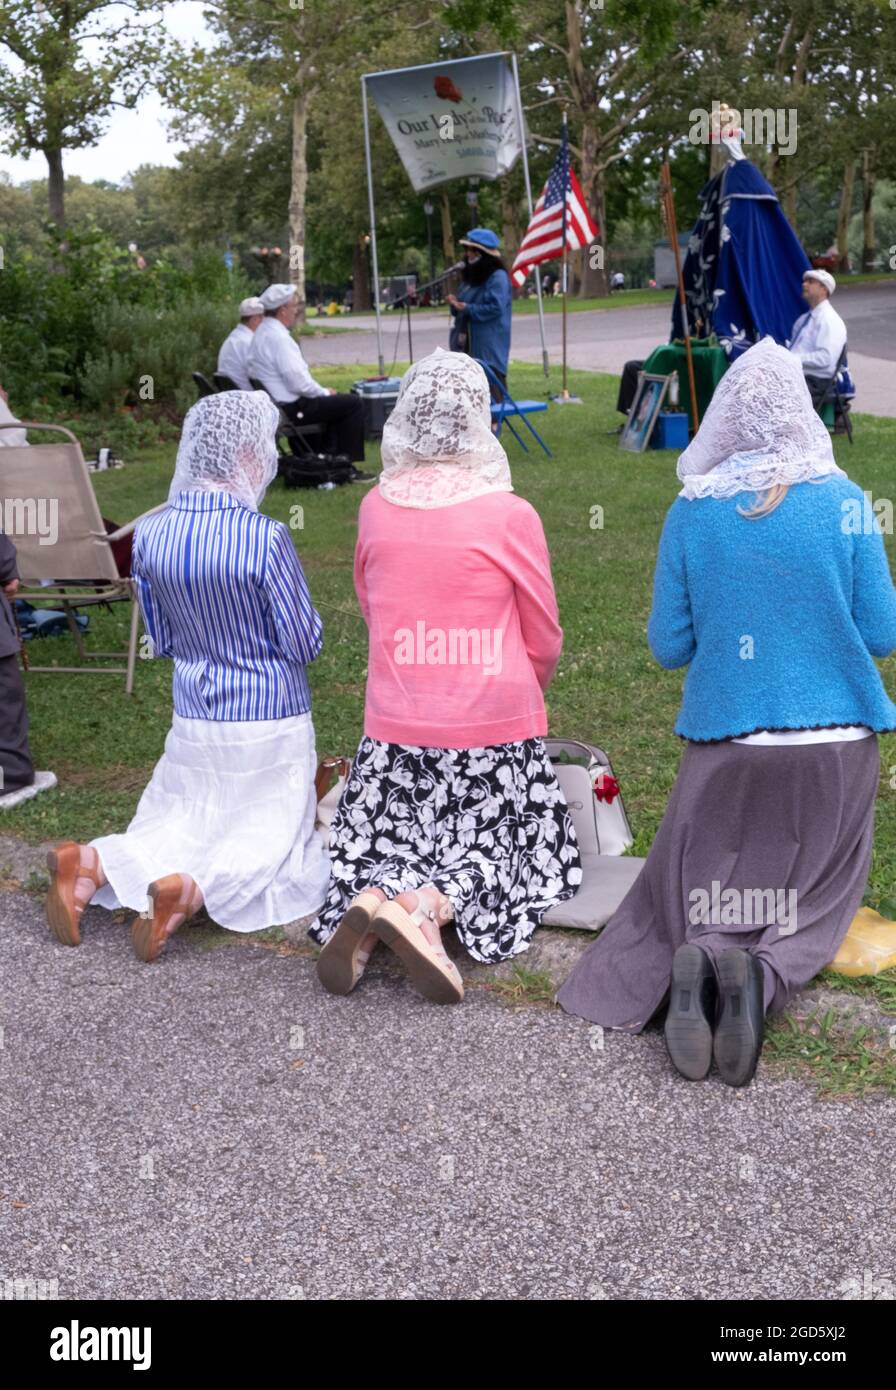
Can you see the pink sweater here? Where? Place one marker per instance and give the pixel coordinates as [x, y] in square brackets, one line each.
[462, 616]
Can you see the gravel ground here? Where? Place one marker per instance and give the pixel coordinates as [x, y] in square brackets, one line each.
[216, 1126]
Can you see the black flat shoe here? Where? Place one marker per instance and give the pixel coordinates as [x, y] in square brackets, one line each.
[739, 1031]
[691, 1012]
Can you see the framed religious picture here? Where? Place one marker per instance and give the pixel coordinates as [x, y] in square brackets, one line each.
[648, 402]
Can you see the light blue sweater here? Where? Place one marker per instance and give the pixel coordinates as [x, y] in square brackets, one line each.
[778, 619]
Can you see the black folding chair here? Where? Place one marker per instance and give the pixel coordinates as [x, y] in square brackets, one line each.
[203, 385]
[292, 431]
[832, 396]
[224, 383]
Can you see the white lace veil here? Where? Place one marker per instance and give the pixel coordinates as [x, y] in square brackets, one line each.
[760, 429]
[438, 446]
[228, 445]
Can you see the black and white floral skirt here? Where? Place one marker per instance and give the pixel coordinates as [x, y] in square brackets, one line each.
[488, 826]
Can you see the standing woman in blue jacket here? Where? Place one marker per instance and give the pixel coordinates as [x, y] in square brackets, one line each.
[481, 308]
[772, 587]
[228, 817]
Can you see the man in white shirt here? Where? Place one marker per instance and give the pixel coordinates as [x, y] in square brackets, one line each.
[10, 438]
[276, 360]
[819, 336]
[235, 347]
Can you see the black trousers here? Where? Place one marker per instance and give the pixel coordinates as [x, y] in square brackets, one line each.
[342, 417]
[16, 767]
[628, 385]
[818, 390]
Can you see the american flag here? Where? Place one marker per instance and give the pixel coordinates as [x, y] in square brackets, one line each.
[561, 207]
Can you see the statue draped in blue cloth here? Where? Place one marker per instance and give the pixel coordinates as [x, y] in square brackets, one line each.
[481, 308]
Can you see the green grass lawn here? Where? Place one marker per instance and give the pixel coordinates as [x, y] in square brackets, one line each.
[608, 689]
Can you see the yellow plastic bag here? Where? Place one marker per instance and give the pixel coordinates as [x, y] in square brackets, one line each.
[869, 947]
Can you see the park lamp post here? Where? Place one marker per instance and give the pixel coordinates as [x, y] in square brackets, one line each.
[429, 210]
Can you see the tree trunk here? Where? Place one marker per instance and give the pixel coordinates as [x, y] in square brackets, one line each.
[788, 203]
[843, 216]
[511, 232]
[360, 275]
[448, 250]
[868, 238]
[594, 283]
[297, 195]
[56, 187]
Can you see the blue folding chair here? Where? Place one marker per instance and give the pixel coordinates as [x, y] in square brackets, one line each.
[505, 407]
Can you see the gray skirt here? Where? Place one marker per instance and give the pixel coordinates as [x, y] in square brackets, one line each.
[763, 848]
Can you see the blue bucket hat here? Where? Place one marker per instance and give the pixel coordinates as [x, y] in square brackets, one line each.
[482, 239]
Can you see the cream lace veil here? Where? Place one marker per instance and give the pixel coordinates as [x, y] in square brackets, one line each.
[228, 445]
[438, 447]
[760, 430]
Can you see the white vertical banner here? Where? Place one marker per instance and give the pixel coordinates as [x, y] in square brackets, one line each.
[451, 120]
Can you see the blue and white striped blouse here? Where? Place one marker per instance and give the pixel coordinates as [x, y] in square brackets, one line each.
[222, 591]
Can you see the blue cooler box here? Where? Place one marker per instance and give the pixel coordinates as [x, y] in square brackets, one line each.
[670, 430]
[378, 396]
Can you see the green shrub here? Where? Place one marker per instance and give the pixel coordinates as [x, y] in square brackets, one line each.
[81, 325]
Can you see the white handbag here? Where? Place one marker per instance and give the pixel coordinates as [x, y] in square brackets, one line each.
[592, 794]
[329, 784]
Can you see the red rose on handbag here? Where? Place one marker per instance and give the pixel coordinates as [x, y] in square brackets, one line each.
[606, 788]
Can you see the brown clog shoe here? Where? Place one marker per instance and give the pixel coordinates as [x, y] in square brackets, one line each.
[63, 912]
[168, 897]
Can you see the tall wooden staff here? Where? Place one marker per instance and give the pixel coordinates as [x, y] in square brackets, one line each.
[668, 205]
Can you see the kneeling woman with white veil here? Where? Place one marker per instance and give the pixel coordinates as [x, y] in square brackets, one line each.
[777, 602]
[452, 811]
[228, 817]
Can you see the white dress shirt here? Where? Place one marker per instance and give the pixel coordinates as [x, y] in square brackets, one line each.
[275, 359]
[11, 438]
[234, 354]
[818, 339]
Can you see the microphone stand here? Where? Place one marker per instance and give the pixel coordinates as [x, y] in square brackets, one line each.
[404, 300]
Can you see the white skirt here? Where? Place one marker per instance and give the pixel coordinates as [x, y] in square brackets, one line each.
[232, 803]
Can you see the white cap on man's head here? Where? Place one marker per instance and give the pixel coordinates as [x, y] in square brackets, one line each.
[823, 277]
[275, 296]
[250, 307]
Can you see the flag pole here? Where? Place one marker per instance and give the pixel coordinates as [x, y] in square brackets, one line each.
[565, 398]
[668, 205]
[521, 125]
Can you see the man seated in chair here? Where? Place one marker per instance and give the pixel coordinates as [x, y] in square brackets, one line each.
[276, 360]
[234, 351]
[819, 336]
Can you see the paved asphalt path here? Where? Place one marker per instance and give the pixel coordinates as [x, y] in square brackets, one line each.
[215, 1126]
[603, 340]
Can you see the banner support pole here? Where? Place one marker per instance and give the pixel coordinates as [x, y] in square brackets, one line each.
[376, 268]
[522, 129]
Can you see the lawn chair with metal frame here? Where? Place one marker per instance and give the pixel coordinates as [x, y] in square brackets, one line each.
[506, 406]
[50, 483]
